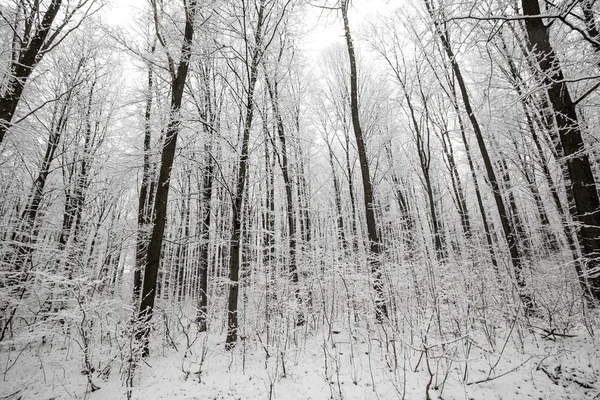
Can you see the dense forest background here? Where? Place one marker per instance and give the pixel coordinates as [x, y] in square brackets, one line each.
[378, 191]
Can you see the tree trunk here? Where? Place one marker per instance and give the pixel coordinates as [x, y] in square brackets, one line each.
[457, 188]
[207, 189]
[23, 239]
[22, 68]
[375, 250]
[154, 251]
[291, 215]
[338, 199]
[585, 195]
[507, 227]
[145, 201]
[237, 211]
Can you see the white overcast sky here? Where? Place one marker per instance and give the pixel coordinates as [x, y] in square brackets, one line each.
[324, 30]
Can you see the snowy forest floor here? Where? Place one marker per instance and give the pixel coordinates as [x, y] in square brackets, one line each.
[338, 359]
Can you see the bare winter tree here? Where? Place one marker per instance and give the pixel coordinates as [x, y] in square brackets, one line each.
[375, 243]
[178, 73]
[36, 28]
[510, 234]
[256, 42]
[585, 194]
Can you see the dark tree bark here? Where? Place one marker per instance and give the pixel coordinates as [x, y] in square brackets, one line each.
[591, 26]
[272, 88]
[207, 190]
[375, 245]
[514, 76]
[237, 211]
[507, 228]
[22, 66]
[209, 108]
[482, 210]
[585, 195]
[407, 222]
[350, 176]
[422, 136]
[457, 187]
[145, 200]
[153, 256]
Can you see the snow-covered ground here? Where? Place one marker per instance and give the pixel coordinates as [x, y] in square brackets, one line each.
[338, 359]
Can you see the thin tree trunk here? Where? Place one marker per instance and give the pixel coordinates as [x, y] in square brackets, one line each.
[268, 240]
[237, 211]
[522, 236]
[507, 227]
[350, 175]
[291, 215]
[407, 223]
[207, 189]
[457, 188]
[338, 199]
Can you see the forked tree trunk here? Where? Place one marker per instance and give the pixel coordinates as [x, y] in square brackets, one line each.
[153, 256]
[23, 65]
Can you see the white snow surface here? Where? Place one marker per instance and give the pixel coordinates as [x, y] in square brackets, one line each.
[320, 360]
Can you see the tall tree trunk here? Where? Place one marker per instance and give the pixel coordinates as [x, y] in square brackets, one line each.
[375, 250]
[422, 142]
[269, 247]
[457, 188]
[507, 228]
[407, 222]
[585, 195]
[337, 198]
[513, 209]
[145, 202]
[351, 195]
[153, 256]
[75, 194]
[207, 189]
[237, 211]
[272, 87]
[517, 82]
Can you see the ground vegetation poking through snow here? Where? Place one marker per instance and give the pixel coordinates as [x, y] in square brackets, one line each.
[339, 358]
